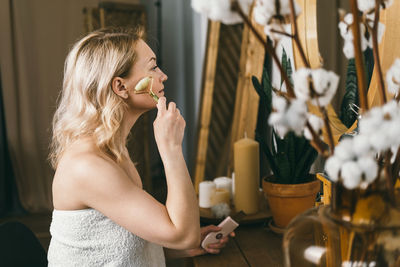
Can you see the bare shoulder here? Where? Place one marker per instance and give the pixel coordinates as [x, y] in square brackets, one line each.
[80, 173]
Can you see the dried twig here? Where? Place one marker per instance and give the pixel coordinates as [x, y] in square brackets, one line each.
[362, 88]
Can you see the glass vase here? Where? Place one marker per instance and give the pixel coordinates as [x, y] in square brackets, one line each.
[360, 229]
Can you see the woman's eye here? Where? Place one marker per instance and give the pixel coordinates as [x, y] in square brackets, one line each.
[154, 68]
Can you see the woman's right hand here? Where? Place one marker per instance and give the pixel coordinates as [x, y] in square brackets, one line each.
[169, 127]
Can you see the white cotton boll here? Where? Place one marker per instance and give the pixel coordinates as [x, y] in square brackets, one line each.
[348, 19]
[351, 174]
[347, 35]
[278, 121]
[379, 142]
[285, 7]
[344, 150]
[264, 10]
[366, 5]
[296, 116]
[221, 210]
[361, 145]
[393, 77]
[245, 5]
[275, 36]
[369, 167]
[344, 29]
[325, 84]
[371, 121]
[259, 16]
[390, 108]
[348, 49]
[221, 11]
[394, 132]
[201, 6]
[381, 31]
[279, 103]
[281, 130]
[316, 123]
[346, 32]
[307, 134]
[276, 118]
[332, 167]
[301, 81]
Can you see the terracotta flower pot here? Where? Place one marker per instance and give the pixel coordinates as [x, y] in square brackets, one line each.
[288, 200]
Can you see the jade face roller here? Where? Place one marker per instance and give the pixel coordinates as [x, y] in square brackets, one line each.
[143, 84]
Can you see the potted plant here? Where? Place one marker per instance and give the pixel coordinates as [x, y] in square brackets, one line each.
[291, 189]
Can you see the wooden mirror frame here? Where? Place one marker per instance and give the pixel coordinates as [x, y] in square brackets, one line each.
[245, 106]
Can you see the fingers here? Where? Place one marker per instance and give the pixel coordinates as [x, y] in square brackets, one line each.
[161, 106]
[171, 106]
[212, 228]
[213, 250]
[219, 245]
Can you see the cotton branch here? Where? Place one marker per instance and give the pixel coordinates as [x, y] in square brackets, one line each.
[362, 88]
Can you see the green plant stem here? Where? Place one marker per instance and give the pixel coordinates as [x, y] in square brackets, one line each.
[375, 50]
[361, 79]
[270, 50]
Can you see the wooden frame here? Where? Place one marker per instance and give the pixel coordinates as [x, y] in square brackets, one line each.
[229, 77]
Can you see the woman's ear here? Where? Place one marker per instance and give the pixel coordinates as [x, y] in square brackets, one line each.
[119, 88]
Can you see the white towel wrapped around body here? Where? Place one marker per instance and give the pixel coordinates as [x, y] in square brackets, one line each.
[88, 238]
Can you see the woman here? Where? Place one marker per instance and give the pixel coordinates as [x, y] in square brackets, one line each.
[102, 216]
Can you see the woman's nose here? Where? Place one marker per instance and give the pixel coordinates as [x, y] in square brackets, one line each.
[163, 77]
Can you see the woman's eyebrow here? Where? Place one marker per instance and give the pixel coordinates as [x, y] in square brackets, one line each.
[153, 58]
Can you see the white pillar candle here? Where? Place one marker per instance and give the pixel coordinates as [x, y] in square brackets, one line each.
[224, 183]
[206, 192]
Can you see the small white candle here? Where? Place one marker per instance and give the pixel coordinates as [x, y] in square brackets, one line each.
[224, 183]
[221, 195]
[206, 192]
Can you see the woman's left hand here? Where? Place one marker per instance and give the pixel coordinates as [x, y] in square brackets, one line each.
[213, 248]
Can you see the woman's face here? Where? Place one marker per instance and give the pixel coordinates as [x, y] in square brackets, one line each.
[145, 65]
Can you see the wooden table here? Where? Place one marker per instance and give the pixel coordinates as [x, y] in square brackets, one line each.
[254, 245]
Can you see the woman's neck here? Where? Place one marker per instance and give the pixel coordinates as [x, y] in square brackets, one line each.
[128, 121]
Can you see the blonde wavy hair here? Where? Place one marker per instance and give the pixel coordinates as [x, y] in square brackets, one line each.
[87, 104]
